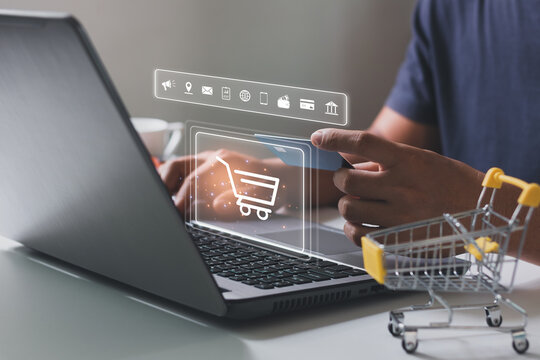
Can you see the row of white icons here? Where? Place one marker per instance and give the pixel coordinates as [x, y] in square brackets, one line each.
[283, 102]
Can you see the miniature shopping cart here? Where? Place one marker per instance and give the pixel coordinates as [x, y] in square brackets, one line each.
[462, 252]
[248, 203]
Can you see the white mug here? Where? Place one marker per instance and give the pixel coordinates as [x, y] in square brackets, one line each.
[160, 137]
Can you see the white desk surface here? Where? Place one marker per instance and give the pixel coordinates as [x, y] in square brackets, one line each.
[47, 312]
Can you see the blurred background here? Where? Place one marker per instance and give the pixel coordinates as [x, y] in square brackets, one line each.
[351, 46]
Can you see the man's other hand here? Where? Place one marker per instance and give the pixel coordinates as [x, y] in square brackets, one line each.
[397, 183]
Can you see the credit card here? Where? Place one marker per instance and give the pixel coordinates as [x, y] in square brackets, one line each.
[315, 158]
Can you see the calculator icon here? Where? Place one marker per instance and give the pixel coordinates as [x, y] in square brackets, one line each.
[225, 93]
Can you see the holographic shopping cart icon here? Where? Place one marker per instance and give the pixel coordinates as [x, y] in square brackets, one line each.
[248, 203]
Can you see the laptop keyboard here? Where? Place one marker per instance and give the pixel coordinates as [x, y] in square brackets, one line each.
[264, 269]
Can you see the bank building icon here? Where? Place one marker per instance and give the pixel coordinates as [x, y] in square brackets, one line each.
[331, 108]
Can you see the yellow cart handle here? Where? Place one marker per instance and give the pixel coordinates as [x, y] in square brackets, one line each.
[530, 194]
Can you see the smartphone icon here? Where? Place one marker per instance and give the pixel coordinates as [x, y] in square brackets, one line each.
[263, 98]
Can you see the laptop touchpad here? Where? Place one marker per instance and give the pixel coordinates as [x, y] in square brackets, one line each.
[328, 243]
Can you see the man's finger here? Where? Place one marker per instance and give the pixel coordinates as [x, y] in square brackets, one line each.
[371, 185]
[174, 171]
[224, 205]
[198, 210]
[367, 166]
[187, 190]
[365, 211]
[361, 143]
[353, 159]
[355, 232]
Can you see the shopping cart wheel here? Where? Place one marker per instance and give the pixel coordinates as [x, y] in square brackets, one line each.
[493, 316]
[494, 322]
[520, 342]
[393, 325]
[394, 329]
[245, 210]
[262, 214]
[521, 347]
[409, 342]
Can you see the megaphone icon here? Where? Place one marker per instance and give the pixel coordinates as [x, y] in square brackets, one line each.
[168, 84]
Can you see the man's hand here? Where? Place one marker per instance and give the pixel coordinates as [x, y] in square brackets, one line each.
[398, 183]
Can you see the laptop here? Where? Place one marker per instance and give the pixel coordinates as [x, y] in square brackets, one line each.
[77, 184]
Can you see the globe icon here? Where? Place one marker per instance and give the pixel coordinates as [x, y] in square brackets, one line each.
[245, 95]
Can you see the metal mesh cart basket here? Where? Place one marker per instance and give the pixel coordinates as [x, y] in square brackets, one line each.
[464, 252]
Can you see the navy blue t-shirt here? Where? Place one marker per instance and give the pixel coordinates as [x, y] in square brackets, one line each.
[472, 69]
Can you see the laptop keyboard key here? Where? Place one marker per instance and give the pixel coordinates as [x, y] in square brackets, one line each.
[265, 270]
[268, 280]
[355, 272]
[251, 266]
[225, 274]
[297, 280]
[239, 271]
[315, 276]
[238, 278]
[280, 274]
[323, 263]
[296, 271]
[264, 286]
[330, 273]
[340, 268]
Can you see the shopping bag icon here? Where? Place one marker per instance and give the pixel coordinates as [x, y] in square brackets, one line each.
[207, 90]
[283, 102]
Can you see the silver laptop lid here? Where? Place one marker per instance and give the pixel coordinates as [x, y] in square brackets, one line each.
[76, 182]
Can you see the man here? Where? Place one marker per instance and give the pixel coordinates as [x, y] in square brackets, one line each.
[469, 89]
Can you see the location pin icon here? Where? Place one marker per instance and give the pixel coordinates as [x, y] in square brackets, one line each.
[188, 86]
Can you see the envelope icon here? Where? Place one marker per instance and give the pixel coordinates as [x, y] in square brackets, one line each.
[207, 90]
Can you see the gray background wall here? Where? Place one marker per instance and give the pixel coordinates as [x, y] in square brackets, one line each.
[352, 46]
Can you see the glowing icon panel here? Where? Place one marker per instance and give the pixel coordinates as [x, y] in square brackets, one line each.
[284, 101]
